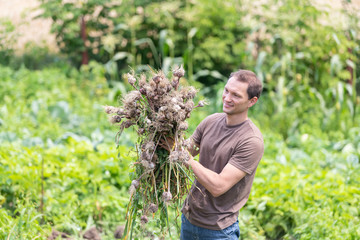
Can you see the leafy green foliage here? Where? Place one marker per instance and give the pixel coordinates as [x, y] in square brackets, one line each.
[57, 168]
[292, 39]
[305, 193]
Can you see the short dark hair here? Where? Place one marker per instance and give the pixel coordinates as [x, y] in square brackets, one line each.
[246, 76]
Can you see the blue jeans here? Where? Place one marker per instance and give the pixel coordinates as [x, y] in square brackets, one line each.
[192, 232]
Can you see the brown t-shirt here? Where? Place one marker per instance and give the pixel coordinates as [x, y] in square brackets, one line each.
[240, 145]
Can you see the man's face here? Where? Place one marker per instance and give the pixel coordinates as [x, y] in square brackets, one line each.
[235, 97]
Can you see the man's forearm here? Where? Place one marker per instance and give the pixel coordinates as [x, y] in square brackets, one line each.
[209, 179]
[216, 183]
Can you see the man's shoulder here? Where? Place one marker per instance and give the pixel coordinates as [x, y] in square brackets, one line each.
[210, 120]
[254, 130]
[214, 117]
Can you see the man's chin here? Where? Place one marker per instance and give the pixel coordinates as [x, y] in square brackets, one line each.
[227, 111]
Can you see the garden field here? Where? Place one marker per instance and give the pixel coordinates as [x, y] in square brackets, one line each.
[63, 175]
[60, 168]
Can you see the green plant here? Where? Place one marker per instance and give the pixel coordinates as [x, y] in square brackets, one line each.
[79, 27]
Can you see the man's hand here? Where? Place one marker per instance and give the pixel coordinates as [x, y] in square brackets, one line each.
[194, 148]
[167, 143]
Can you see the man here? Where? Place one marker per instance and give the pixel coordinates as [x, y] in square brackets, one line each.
[230, 148]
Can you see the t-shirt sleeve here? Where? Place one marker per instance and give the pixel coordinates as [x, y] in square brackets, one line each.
[248, 154]
[197, 135]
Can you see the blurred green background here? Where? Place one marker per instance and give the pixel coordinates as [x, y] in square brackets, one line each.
[59, 166]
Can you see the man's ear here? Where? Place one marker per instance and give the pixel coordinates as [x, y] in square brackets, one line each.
[252, 101]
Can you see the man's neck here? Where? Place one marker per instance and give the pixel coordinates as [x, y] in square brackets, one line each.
[235, 119]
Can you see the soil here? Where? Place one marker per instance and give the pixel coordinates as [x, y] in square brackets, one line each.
[119, 232]
[55, 234]
[92, 234]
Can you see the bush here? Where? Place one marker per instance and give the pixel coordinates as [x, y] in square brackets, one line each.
[7, 40]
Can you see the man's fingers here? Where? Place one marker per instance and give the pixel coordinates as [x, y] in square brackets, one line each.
[167, 143]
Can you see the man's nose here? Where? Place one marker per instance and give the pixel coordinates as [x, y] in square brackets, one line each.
[227, 98]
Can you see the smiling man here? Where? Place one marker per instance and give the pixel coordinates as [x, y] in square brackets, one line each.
[230, 147]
